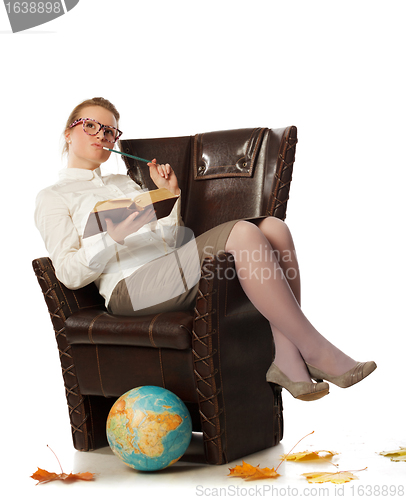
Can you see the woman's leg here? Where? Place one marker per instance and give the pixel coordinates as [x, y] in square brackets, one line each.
[263, 279]
[280, 239]
[287, 355]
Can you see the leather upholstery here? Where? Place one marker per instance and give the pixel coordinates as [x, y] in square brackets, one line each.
[225, 190]
[214, 357]
[172, 330]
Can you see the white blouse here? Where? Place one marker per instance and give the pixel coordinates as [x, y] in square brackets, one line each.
[61, 213]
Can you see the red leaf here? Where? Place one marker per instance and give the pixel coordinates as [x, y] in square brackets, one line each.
[43, 476]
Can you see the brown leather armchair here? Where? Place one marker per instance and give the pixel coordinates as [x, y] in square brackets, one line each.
[214, 357]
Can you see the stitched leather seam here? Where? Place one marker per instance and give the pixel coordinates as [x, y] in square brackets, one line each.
[195, 156]
[98, 369]
[54, 295]
[66, 300]
[221, 176]
[225, 300]
[206, 386]
[257, 144]
[76, 300]
[150, 330]
[162, 368]
[90, 329]
[91, 424]
[288, 143]
[279, 168]
[223, 409]
[214, 385]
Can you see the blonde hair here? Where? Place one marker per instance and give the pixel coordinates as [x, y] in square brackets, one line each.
[75, 115]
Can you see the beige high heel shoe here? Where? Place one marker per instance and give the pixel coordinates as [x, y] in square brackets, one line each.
[347, 379]
[306, 391]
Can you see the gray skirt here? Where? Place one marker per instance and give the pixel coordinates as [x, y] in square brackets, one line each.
[170, 282]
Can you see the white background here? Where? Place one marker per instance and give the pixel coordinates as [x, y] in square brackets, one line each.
[333, 69]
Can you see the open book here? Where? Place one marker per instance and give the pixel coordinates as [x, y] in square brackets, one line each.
[119, 209]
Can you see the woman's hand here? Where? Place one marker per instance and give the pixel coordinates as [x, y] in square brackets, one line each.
[163, 176]
[129, 225]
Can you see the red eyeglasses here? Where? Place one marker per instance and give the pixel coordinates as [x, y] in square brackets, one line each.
[93, 127]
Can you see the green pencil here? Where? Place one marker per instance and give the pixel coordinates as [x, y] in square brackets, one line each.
[126, 154]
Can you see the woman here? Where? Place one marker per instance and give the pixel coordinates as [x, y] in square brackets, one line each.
[140, 268]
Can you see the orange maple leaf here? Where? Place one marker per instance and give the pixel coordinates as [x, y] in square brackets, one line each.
[265, 473]
[43, 476]
[250, 473]
[244, 470]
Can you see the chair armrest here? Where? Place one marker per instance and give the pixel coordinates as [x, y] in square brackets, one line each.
[172, 330]
[61, 303]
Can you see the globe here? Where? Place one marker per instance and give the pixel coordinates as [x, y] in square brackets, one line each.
[149, 428]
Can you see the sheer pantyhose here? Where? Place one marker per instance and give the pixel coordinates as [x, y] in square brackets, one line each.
[267, 267]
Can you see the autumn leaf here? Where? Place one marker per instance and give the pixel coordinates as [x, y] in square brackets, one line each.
[251, 473]
[395, 455]
[309, 455]
[43, 476]
[244, 470]
[265, 473]
[332, 477]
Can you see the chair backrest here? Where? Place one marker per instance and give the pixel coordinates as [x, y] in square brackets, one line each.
[225, 175]
[216, 187]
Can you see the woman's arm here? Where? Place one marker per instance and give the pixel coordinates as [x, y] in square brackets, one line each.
[76, 265]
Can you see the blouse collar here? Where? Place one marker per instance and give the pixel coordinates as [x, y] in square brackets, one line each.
[79, 174]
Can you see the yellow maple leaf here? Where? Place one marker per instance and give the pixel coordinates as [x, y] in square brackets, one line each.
[309, 455]
[332, 477]
[395, 455]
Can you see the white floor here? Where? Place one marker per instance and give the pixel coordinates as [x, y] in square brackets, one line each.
[358, 423]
